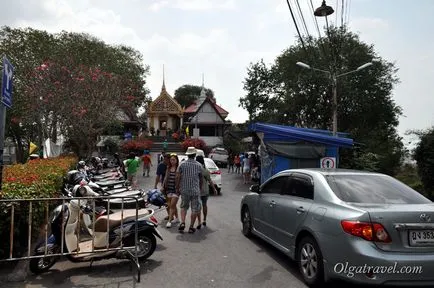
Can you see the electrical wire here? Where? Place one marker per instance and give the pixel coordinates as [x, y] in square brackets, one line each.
[302, 17]
[314, 18]
[342, 13]
[337, 12]
[348, 2]
[296, 27]
[320, 40]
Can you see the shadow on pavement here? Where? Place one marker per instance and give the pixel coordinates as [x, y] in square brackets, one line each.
[104, 274]
[196, 237]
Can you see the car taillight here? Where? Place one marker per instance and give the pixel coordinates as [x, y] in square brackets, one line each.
[217, 172]
[154, 220]
[366, 230]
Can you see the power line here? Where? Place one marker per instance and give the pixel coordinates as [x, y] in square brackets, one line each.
[296, 26]
[348, 11]
[314, 18]
[337, 12]
[342, 13]
[320, 40]
[302, 17]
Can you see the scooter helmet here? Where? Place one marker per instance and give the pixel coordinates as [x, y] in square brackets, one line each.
[81, 164]
[155, 197]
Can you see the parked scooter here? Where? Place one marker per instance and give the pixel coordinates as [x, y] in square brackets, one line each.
[108, 233]
[77, 184]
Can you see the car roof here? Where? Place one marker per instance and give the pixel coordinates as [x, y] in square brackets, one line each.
[329, 172]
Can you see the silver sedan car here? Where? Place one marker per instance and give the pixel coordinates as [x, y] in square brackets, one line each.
[352, 225]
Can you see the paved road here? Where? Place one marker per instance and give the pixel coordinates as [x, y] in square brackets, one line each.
[216, 256]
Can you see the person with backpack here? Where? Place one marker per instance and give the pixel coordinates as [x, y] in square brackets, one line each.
[132, 165]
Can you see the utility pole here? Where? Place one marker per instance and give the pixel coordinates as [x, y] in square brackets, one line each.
[335, 105]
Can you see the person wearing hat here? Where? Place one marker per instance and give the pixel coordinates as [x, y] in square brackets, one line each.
[189, 183]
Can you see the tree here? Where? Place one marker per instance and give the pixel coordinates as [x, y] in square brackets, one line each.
[59, 72]
[26, 49]
[187, 94]
[72, 98]
[424, 156]
[287, 94]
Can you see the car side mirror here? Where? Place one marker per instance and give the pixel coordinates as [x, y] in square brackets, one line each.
[255, 188]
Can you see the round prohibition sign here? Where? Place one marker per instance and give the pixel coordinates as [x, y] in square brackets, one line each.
[328, 162]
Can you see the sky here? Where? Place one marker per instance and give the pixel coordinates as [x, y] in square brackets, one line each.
[219, 38]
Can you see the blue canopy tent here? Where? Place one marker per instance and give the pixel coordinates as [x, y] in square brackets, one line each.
[286, 147]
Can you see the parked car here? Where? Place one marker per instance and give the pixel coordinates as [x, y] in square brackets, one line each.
[214, 170]
[345, 224]
[216, 174]
[219, 156]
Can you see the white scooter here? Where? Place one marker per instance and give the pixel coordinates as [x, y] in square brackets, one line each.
[108, 232]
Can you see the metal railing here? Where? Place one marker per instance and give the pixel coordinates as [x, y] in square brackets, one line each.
[11, 204]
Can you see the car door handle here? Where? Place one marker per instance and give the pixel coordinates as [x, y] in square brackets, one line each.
[300, 210]
[272, 203]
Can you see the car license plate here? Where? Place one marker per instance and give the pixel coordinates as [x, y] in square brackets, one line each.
[421, 237]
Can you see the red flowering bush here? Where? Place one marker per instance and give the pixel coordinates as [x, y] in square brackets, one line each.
[41, 178]
[36, 179]
[194, 142]
[137, 145]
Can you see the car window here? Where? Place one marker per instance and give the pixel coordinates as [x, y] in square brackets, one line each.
[372, 189]
[299, 187]
[274, 186]
[209, 164]
[221, 152]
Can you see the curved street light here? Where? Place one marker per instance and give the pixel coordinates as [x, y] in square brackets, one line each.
[334, 78]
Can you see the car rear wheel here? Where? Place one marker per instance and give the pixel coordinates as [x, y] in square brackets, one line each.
[310, 262]
[247, 223]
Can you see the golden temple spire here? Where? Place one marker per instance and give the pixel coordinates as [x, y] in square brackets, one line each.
[164, 84]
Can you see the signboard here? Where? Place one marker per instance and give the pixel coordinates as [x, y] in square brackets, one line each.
[8, 71]
[328, 162]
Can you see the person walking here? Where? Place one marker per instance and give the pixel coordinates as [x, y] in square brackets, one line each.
[230, 163]
[170, 190]
[165, 145]
[132, 165]
[147, 163]
[237, 163]
[242, 156]
[246, 168]
[161, 174]
[189, 183]
[204, 192]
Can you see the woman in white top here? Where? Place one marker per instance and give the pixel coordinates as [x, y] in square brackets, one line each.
[246, 169]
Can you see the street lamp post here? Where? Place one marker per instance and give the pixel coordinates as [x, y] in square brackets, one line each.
[333, 78]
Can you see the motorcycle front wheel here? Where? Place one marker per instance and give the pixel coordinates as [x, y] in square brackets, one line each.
[43, 264]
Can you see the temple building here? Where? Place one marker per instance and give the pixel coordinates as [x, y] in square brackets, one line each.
[206, 119]
[164, 113]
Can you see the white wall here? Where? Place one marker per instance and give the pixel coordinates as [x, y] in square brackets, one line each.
[207, 114]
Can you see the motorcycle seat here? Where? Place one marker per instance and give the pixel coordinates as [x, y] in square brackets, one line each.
[110, 183]
[115, 219]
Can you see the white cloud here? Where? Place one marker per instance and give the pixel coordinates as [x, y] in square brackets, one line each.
[205, 4]
[158, 5]
[193, 5]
